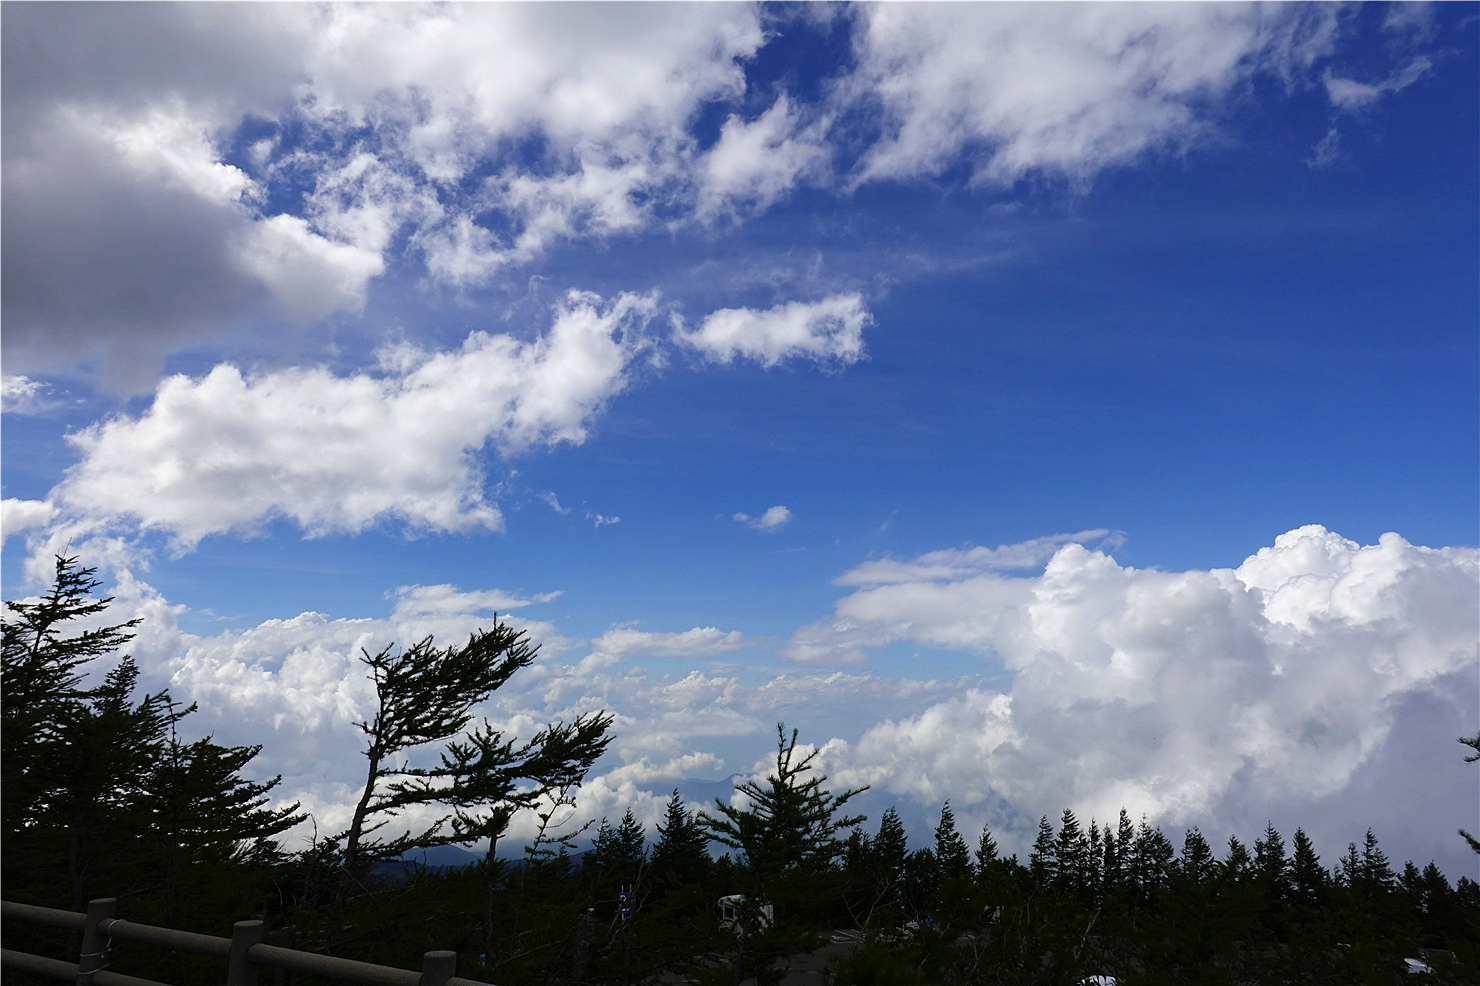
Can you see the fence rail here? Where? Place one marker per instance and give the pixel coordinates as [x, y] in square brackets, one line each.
[245, 952]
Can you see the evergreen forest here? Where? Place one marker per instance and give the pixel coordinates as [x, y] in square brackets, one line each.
[102, 798]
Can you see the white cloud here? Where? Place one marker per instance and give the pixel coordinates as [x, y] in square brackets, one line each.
[472, 138]
[619, 642]
[957, 563]
[1161, 691]
[337, 453]
[20, 515]
[1062, 89]
[830, 330]
[449, 600]
[21, 395]
[773, 519]
[1349, 94]
[755, 164]
[688, 765]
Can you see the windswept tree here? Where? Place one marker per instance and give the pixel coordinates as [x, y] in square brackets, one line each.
[423, 694]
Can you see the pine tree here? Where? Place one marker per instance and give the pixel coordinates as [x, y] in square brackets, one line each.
[786, 831]
[1110, 868]
[1238, 863]
[1473, 742]
[986, 853]
[921, 880]
[1071, 849]
[203, 820]
[1197, 863]
[1152, 857]
[951, 854]
[1043, 859]
[1270, 863]
[101, 796]
[425, 694]
[1375, 875]
[890, 849]
[1095, 857]
[1308, 878]
[681, 854]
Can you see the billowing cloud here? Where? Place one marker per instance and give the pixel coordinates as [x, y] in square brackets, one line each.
[1159, 691]
[336, 453]
[20, 515]
[830, 330]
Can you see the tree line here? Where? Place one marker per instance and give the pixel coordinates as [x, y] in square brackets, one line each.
[101, 797]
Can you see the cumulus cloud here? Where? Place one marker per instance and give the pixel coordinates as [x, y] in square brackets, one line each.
[773, 519]
[336, 453]
[830, 330]
[177, 170]
[297, 685]
[21, 515]
[1159, 691]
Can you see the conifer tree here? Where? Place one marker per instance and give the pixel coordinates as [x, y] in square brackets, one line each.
[986, 852]
[1270, 863]
[1043, 858]
[1473, 742]
[1376, 875]
[681, 854]
[951, 854]
[1071, 850]
[100, 795]
[1197, 863]
[921, 880]
[1110, 866]
[1095, 858]
[1308, 878]
[424, 694]
[890, 849]
[1238, 862]
[786, 831]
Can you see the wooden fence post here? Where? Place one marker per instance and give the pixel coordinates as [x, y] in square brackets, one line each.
[94, 943]
[240, 970]
[436, 968]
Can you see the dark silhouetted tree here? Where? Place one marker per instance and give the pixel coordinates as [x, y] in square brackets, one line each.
[951, 855]
[681, 854]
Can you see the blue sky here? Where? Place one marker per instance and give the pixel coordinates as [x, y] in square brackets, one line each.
[1016, 399]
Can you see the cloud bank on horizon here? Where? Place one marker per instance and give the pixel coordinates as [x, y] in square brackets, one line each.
[1164, 693]
[314, 276]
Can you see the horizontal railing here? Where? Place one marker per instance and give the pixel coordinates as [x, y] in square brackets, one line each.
[245, 952]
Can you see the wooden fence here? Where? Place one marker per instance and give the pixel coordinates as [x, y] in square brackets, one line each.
[245, 952]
